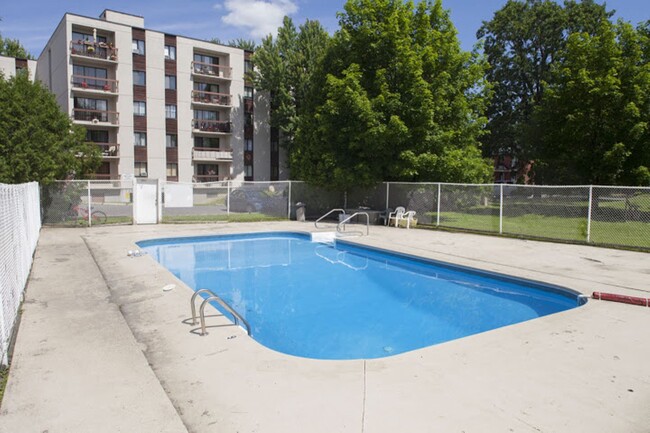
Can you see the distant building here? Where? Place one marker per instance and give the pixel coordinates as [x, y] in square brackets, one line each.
[160, 105]
[9, 66]
[508, 169]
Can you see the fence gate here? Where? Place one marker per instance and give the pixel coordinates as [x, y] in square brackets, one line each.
[145, 202]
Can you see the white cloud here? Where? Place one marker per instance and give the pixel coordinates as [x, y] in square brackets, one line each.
[259, 17]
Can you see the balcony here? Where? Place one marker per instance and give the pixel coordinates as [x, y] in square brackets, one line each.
[211, 154]
[94, 85]
[109, 150]
[211, 98]
[94, 50]
[96, 117]
[212, 70]
[203, 178]
[102, 176]
[212, 126]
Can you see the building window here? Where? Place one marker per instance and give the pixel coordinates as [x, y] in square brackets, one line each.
[83, 76]
[206, 115]
[275, 146]
[248, 66]
[171, 140]
[248, 92]
[248, 119]
[138, 47]
[139, 108]
[170, 82]
[140, 139]
[97, 135]
[172, 169]
[206, 87]
[248, 144]
[78, 36]
[170, 52]
[140, 169]
[248, 170]
[206, 142]
[139, 78]
[170, 111]
[91, 109]
[275, 172]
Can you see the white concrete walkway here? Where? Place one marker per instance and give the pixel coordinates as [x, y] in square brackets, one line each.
[583, 370]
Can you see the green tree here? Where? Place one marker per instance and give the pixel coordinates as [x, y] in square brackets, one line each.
[522, 42]
[38, 142]
[396, 99]
[284, 67]
[592, 125]
[244, 44]
[13, 48]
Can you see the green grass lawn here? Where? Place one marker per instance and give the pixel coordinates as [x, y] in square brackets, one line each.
[629, 234]
[233, 217]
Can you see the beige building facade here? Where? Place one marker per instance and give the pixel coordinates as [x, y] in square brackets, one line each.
[158, 105]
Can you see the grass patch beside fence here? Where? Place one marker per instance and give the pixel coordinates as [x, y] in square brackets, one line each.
[625, 233]
[233, 217]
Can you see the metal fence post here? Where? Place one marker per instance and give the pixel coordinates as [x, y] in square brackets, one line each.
[89, 200]
[289, 203]
[438, 210]
[228, 198]
[387, 195]
[501, 209]
[134, 199]
[591, 190]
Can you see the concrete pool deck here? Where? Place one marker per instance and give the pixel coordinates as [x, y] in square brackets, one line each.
[102, 348]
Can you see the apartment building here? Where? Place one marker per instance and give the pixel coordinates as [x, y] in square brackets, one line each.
[158, 105]
[10, 66]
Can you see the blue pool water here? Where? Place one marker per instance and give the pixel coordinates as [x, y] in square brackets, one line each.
[348, 302]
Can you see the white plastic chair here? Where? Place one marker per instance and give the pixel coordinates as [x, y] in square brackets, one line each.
[398, 212]
[408, 216]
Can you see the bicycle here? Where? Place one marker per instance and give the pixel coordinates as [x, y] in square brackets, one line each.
[79, 215]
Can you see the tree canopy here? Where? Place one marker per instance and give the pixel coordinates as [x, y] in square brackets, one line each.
[593, 123]
[38, 142]
[390, 97]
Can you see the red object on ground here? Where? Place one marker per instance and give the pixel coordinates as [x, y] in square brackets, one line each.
[644, 302]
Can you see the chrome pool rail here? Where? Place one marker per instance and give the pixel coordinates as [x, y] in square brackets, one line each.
[213, 297]
[326, 215]
[342, 223]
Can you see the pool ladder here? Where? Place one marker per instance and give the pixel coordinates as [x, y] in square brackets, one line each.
[213, 297]
[340, 228]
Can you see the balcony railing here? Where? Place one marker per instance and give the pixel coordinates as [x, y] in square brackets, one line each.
[109, 150]
[212, 70]
[210, 154]
[221, 126]
[96, 116]
[94, 83]
[102, 176]
[95, 50]
[202, 178]
[210, 97]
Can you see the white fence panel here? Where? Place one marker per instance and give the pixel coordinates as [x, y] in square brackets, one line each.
[20, 223]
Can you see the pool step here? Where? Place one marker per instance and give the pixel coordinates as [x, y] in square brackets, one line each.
[323, 237]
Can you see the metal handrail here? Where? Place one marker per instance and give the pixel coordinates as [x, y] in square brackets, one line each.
[224, 304]
[326, 215]
[342, 223]
[194, 295]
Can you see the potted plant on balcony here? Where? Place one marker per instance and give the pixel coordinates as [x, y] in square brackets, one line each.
[90, 49]
[84, 84]
[107, 87]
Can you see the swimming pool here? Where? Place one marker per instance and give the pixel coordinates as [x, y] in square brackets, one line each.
[345, 301]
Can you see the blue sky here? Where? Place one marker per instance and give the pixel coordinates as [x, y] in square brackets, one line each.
[33, 21]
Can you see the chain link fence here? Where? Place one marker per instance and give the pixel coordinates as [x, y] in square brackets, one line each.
[20, 224]
[225, 201]
[82, 203]
[613, 216]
